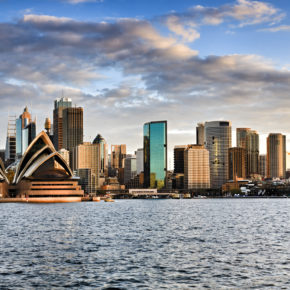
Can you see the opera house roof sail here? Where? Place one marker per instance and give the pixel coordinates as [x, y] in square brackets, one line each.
[3, 176]
[42, 175]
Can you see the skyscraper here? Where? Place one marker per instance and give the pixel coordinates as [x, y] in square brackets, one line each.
[218, 138]
[155, 154]
[10, 151]
[196, 167]
[72, 126]
[276, 155]
[200, 134]
[118, 154]
[103, 154]
[25, 132]
[237, 163]
[178, 154]
[139, 160]
[263, 165]
[249, 140]
[130, 169]
[59, 105]
[86, 163]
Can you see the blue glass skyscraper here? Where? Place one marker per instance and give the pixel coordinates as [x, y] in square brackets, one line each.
[155, 154]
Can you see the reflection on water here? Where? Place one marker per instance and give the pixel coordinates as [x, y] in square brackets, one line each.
[147, 244]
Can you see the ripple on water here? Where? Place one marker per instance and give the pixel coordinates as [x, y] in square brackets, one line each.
[155, 244]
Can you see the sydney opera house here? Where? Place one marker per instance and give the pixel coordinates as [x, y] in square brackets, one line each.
[41, 175]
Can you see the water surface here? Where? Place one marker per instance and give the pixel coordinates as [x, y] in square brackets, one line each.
[150, 244]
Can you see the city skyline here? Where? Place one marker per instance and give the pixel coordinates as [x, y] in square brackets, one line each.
[131, 64]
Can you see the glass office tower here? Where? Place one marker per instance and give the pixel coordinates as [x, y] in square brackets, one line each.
[155, 154]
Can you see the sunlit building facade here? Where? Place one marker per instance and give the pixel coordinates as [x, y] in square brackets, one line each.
[196, 167]
[249, 140]
[59, 106]
[237, 163]
[218, 138]
[155, 154]
[276, 155]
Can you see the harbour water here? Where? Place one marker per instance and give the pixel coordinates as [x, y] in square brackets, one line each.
[150, 244]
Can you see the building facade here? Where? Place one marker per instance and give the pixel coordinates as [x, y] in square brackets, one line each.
[276, 155]
[130, 169]
[72, 124]
[200, 137]
[59, 106]
[155, 154]
[237, 163]
[218, 138]
[263, 165]
[85, 156]
[196, 167]
[139, 160]
[249, 140]
[103, 154]
[25, 132]
[118, 154]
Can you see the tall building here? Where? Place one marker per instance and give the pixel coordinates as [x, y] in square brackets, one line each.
[178, 155]
[72, 126]
[59, 106]
[155, 154]
[249, 140]
[139, 160]
[218, 138]
[200, 134]
[10, 150]
[237, 163]
[25, 132]
[118, 154]
[85, 156]
[263, 165]
[196, 167]
[276, 155]
[288, 160]
[130, 169]
[103, 154]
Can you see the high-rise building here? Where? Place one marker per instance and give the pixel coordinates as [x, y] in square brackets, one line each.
[178, 155]
[249, 140]
[118, 154]
[10, 150]
[103, 154]
[218, 138]
[196, 167]
[200, 134]
[25, 132]
[276, 155]
[72, 126]
[85, 156]
[237, 163]
[155, 154]
[59, 106]
[288, 160]
[130, 169]
[263, 165]
[139, 160]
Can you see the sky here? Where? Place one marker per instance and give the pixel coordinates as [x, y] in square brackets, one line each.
[129, 62]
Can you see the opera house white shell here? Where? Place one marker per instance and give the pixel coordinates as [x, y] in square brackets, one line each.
[42, 175]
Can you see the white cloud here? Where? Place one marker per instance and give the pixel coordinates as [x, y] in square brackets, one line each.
[277, 28]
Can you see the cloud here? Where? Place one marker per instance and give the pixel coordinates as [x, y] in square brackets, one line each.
[277, 28]
[241, 13]
[158, 77]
